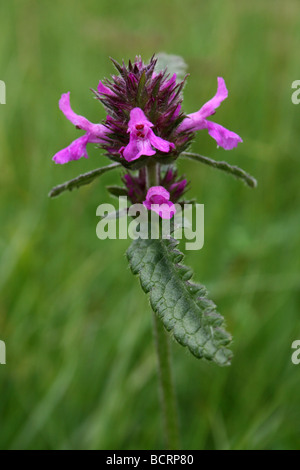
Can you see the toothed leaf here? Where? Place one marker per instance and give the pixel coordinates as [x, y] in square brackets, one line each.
[182, 306]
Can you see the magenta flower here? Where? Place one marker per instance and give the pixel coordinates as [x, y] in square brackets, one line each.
[158, 200]
[95, 133]
[143, 109]
[142, 138]
[197, 121]
[145, 118]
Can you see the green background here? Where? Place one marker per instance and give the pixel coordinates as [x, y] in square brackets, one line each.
[81, 366]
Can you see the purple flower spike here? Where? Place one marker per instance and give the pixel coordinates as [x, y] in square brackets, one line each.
[197, 121]
[145, 118]
[142, 138]
[158, 200]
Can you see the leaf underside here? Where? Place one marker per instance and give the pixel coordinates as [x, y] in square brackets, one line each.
[183, 307]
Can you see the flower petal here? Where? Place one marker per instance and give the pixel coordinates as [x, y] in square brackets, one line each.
[210, 107]
[196, 121]
[157, 191]
[142, 138]
[157, 200]
[224, 138]
[193, 122]
[136, 148]
[159, 143]
[81, 122]
[74, 151]
[165, 210]
[137, 117]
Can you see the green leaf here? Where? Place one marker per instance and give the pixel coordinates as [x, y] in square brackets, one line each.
[85, 178]
[173, 63]
[117, 191]
[183, 307]
[224, 166]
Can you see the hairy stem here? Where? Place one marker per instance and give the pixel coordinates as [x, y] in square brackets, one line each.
[224, 166]
[166, 385]
[162, 345]
[151, 174]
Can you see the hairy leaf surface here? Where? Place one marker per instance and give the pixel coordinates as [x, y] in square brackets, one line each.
[183, 306]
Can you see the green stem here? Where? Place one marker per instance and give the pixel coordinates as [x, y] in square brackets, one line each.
[163, 351]
[166, 385]
[151, 174]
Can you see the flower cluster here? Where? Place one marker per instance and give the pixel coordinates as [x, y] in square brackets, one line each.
[145, 124]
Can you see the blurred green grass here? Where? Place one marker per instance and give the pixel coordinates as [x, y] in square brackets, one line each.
[81, 369]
